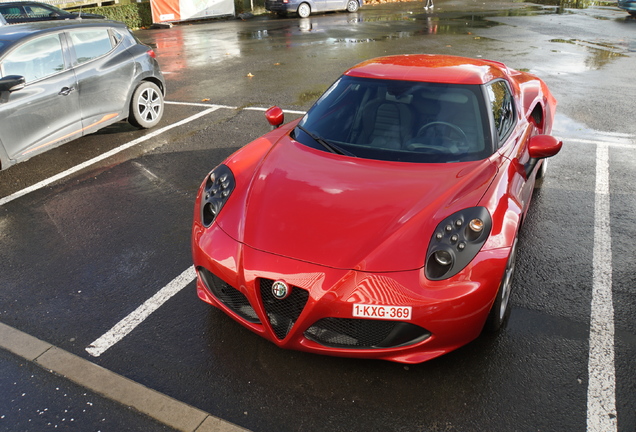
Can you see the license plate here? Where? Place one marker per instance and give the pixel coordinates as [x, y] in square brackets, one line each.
[401, 313]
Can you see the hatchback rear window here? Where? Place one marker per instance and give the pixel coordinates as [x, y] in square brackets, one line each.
[91, 43]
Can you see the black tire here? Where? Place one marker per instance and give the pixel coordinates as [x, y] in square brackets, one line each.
[352, 6]
[304, 10]
[500, 310]
[538, 182]
[146, 106]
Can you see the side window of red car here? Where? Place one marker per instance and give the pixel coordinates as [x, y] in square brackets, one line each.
[502, 108]
[35, 59]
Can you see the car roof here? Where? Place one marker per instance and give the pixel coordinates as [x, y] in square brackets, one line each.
[22, 3]
[16, 32]
[431, 68]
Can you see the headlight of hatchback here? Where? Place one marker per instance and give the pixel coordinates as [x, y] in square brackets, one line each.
[217, 189]
[456, 241]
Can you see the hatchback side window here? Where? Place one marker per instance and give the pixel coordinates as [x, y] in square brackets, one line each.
[502, 108]
[91, 43]
[35, 59]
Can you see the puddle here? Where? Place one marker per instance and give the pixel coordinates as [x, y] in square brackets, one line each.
[572, 4]
[403, 25]
[599, 54]
[568, 128]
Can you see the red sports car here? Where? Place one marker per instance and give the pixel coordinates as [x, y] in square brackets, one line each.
[382, 224]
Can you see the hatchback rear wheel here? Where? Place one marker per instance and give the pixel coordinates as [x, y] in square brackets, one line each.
[146, 106]
[352, 6]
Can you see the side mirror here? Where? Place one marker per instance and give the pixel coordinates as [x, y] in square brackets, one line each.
[12, 83]
[275, 116]
[544, 146]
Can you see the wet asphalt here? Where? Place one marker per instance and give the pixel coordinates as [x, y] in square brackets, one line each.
[34, 399]
[82, 253]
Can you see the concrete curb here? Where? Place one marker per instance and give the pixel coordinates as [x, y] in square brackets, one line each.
[152, 403]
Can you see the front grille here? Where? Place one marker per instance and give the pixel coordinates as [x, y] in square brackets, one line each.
[229, 296]
[283, 313]
[364, 333]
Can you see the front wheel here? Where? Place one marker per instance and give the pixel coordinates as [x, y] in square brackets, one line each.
[538, 182]
[146, 106]
[304, 10]
[500, 309]
[352, 6]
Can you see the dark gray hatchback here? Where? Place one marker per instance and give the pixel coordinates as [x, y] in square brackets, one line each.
[64, 79]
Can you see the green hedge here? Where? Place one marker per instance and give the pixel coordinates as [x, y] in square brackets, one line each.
[135, 15]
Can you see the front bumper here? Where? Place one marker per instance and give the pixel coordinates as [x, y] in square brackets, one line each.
[318, 314]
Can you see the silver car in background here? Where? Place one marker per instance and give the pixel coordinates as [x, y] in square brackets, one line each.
[60, 80]
[304, 8]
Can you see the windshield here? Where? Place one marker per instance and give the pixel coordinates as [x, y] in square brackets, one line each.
[399, 121]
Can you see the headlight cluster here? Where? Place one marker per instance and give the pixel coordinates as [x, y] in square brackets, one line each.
[216, 191]
[456, 241]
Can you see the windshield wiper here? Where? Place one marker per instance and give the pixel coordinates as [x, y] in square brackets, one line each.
[329, 146]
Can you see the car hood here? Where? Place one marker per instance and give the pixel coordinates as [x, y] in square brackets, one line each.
[346, 212]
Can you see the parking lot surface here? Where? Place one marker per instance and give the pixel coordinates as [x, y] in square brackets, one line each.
[95, 243]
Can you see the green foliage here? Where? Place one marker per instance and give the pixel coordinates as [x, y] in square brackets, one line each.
[135, 15]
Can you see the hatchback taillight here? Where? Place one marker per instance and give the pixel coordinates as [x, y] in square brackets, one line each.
[151, 53]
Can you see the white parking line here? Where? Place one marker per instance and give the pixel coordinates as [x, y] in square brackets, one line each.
[601, 390]
[68, 172]
[126, 325]
[265, 109]
[101, 157]
[625, 143]
[200, 104]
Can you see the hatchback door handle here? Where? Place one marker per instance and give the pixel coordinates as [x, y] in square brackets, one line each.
[66, 91]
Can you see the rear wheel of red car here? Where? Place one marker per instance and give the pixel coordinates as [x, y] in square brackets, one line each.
[146, 106]
[304, 10]
[538, 182]
[500, 308]
[352, 6]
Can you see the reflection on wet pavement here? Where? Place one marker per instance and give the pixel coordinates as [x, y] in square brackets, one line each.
[599, 54]
[573, 130]
[572, 4]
